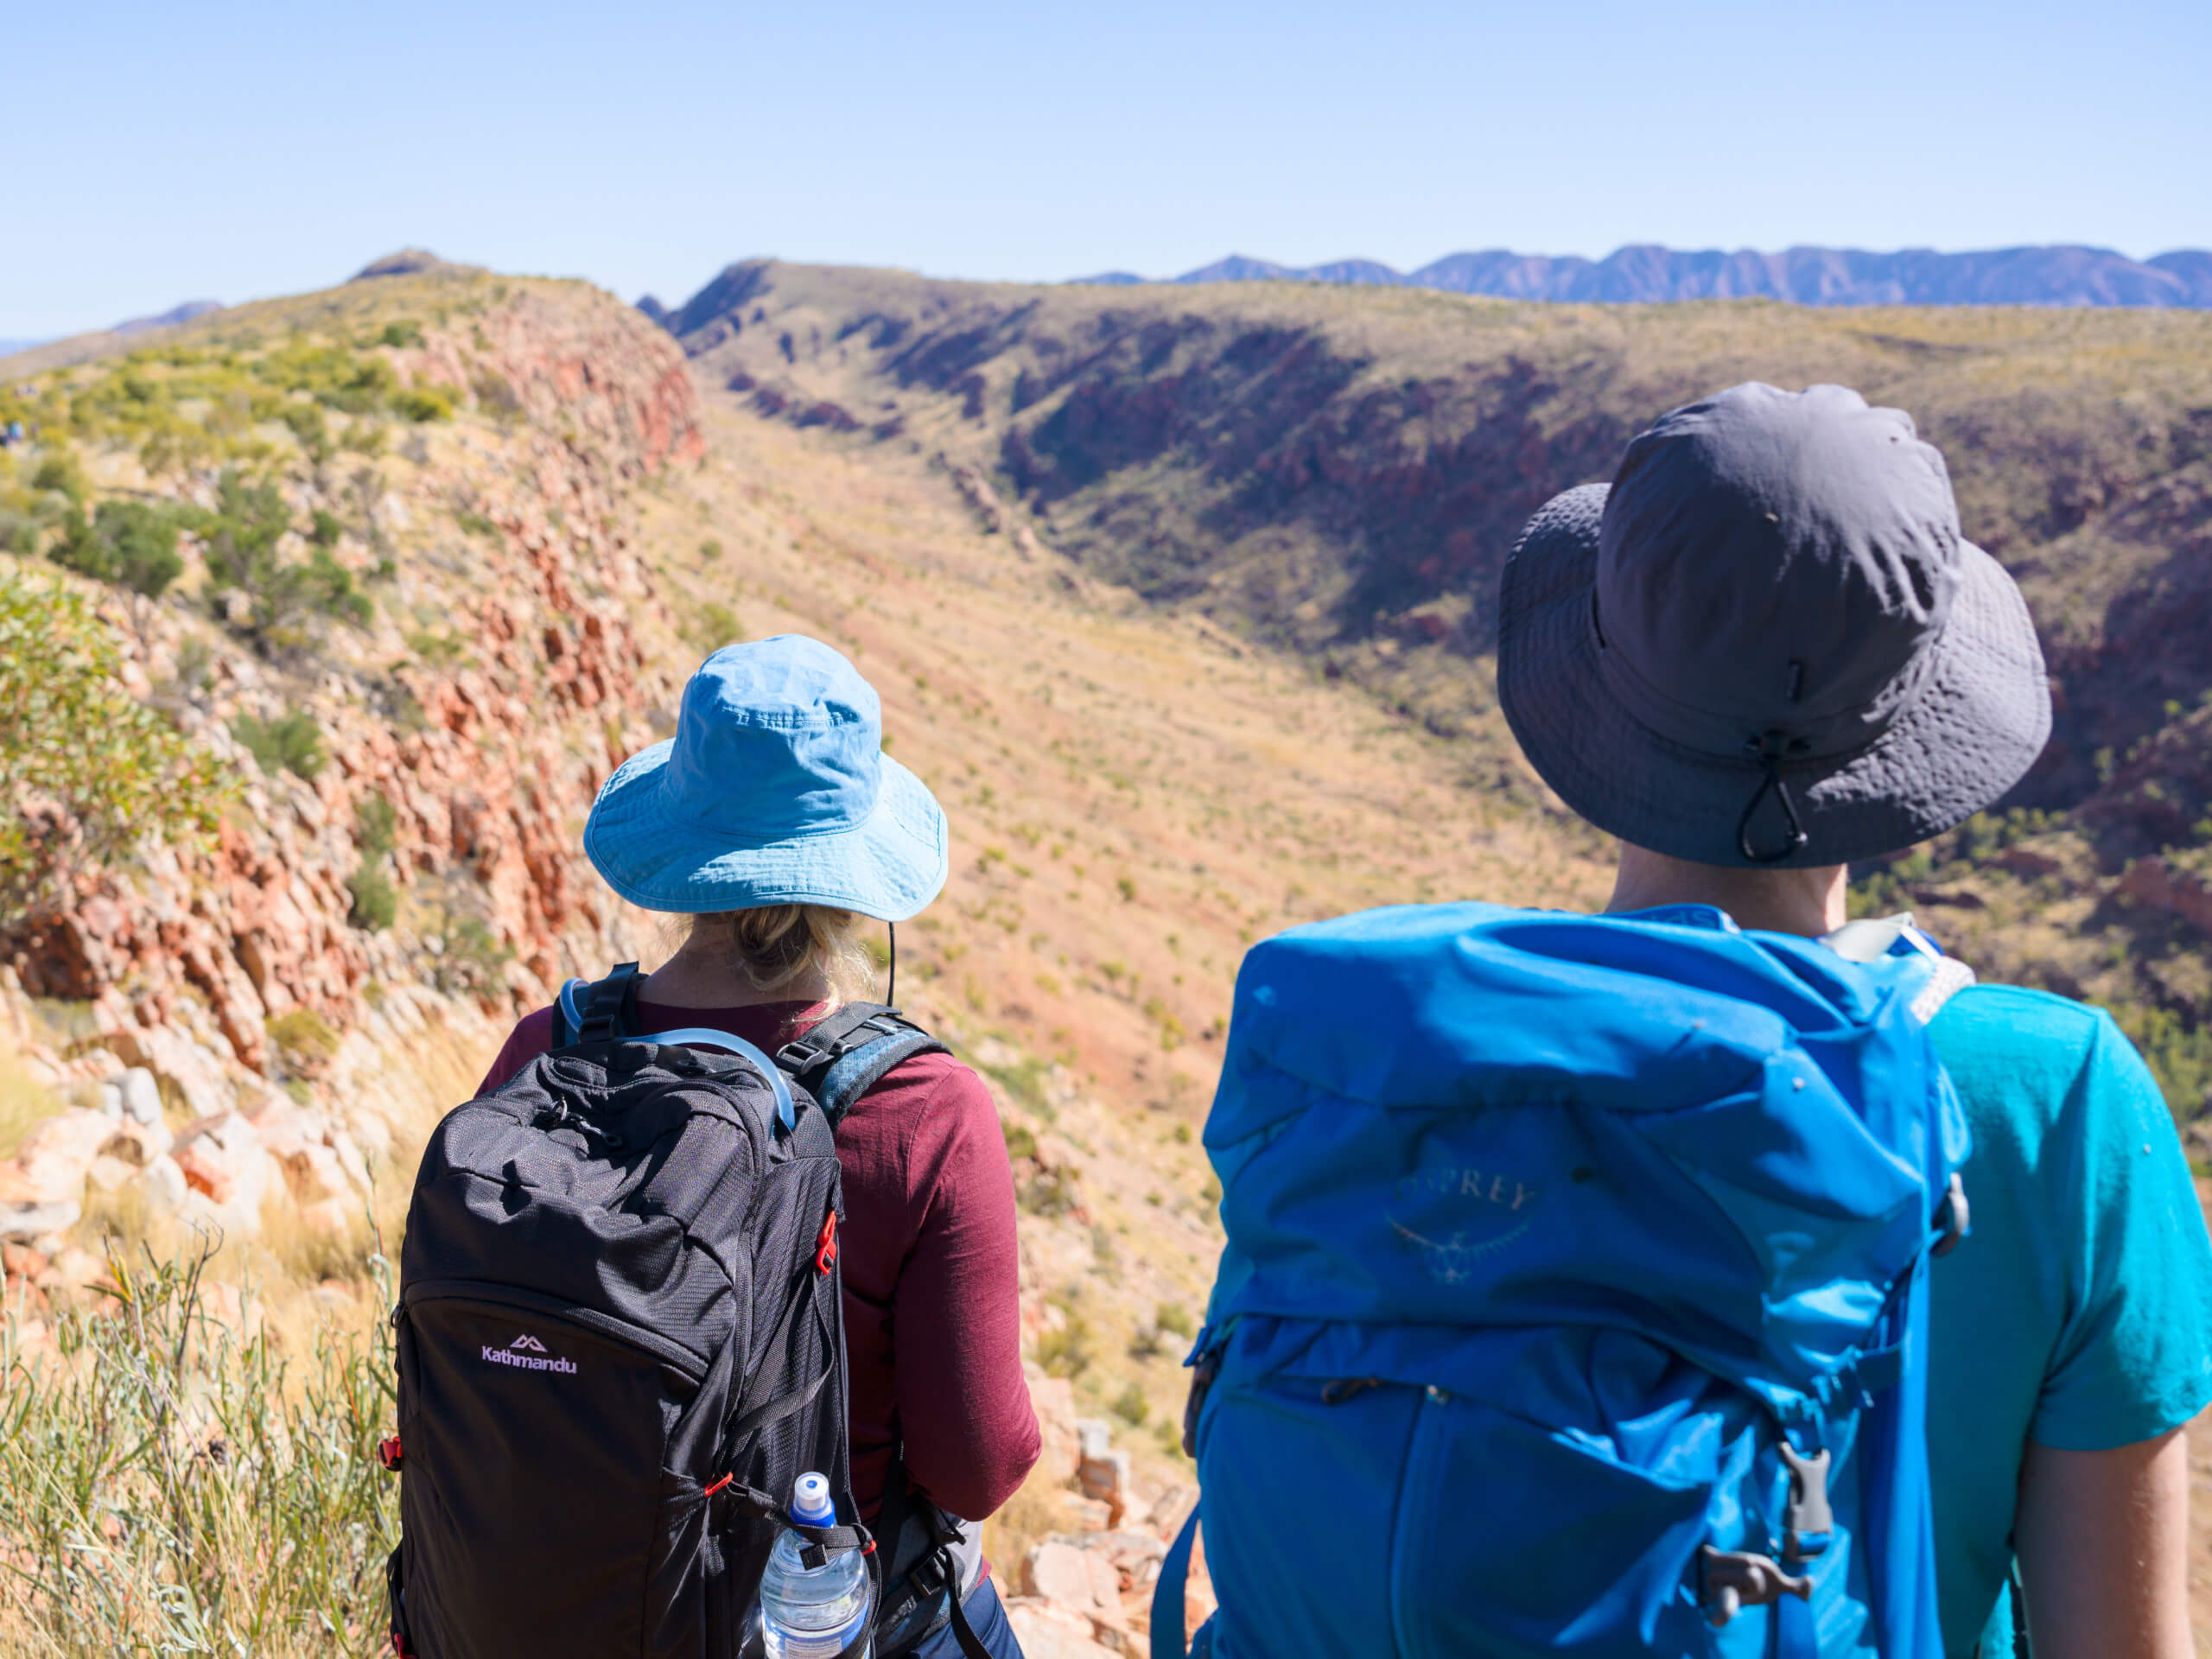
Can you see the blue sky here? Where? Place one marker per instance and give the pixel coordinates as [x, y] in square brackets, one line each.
[157, 153]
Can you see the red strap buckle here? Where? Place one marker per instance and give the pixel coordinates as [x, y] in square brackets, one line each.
[825, 1244]
[388, 1452]
[718, 1485]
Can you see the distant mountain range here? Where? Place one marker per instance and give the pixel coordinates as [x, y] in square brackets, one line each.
[2058, 276]
[167, 319]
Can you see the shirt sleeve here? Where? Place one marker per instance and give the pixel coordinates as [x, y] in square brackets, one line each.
[532, 1037]
[2133, 1357]
[964, 1405]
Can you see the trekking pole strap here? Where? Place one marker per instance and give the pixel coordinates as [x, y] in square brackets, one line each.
[1167, 1594]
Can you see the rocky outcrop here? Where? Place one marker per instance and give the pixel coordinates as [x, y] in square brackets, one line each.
[455, 761]
[1087, 1592]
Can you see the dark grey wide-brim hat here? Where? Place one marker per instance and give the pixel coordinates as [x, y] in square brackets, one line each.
[1766, 643]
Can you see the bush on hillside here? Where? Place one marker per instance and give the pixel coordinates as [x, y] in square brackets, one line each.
[86, 771]
[292, 742]
[133, 542]
[242, 535]
[422, 403]
[375, 903]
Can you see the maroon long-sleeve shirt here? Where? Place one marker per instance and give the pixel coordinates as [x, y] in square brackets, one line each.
[931, 1273]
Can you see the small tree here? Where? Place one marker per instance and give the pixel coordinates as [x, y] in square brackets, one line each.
[242, 535]
[133, 542]
[87, 770]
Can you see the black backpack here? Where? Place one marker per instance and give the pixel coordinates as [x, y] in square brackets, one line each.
[621, 1340]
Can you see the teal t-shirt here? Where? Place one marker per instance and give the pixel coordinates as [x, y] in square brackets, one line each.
[2079, 1313]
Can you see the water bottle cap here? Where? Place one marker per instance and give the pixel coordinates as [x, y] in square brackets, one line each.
[810, 1504]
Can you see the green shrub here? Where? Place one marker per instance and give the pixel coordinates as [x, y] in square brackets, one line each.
[375, 902]
[1131, 1407]
[242, 535]
[292, 742]
[496, 395]
[60, 472]
[404, 333]
[375, 826]
[364, 437]
[254, 1519]
[472, 957]
[133, 542]
[424, 403]
[305, 1039]
[1066, 1351]
[1173, 1316]
[86, 769]
[710, 626]
[327, 529]
[310, 428]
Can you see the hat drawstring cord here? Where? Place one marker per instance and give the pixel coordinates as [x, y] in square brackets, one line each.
[1772, 747]
[891, 983]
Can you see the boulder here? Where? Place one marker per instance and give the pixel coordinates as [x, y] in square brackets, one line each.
[138, 1096]
[224, 1163]
[50, 1169]
[160, 1186]
[196, 1074]
[322, 1168]
[1047, 1632]
[21, 1262]
[1052, 1398]
[1102, 1472]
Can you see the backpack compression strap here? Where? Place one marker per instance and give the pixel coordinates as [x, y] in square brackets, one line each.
[597, 1010]
[847, 1054]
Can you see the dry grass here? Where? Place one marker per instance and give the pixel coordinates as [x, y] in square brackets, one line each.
[175, 1479]
[23, 1101]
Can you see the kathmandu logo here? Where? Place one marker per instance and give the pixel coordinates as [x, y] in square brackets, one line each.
[527, 1353]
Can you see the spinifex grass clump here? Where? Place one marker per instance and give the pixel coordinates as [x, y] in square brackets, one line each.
[169, 1484]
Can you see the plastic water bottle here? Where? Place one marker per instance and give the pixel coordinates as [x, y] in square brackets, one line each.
[812, 1612]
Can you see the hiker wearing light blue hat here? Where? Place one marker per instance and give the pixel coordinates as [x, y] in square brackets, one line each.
[774, 790]
[774, 827]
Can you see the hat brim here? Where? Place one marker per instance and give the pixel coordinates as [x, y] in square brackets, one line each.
[889, 866]
[1970, 734]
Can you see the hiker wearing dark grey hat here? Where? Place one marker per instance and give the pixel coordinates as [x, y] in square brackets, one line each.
[1764, 652]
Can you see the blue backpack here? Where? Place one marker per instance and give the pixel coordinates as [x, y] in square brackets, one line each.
[1573, 1299]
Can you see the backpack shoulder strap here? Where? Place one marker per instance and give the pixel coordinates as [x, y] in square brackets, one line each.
[588, 1011]
[847, 1054]
[1871, 941]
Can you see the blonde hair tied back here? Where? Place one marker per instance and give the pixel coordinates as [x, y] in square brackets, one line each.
[773, 946]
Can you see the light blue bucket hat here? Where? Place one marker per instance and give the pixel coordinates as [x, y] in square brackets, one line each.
[774, 790]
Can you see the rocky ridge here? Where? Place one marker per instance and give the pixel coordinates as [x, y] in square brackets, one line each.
[502, 675]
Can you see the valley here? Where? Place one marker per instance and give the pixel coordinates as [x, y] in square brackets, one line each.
[1179, 600]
